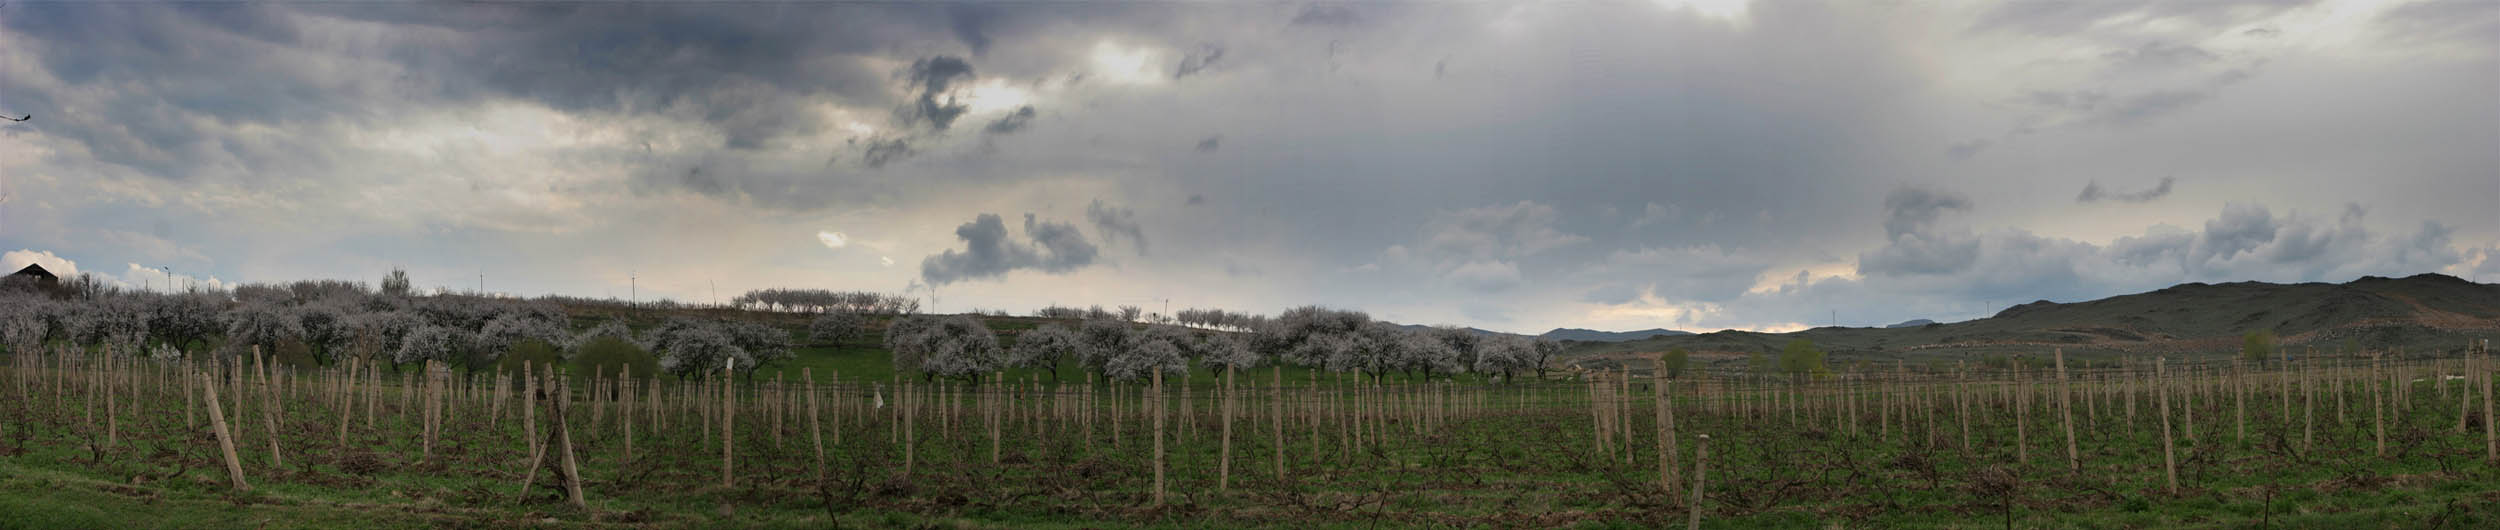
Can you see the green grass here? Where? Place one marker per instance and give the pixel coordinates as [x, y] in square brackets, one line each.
[1499, 468]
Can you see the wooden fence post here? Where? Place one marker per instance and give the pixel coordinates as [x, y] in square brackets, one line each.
[2169, 461]
[1156, 408]
[225, 437]
[2066, 412]
[1701, 475]
[1224, 462]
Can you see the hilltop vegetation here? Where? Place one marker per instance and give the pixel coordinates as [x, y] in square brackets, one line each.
[2425, 314]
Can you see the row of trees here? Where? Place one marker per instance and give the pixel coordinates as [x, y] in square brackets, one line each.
[1119, 349]
[325, 321]
[824, 301]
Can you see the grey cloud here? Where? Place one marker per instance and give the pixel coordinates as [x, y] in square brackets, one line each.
[1485, 276]
[2092, 192]
[932, 78]
[1503, 230]
[1921, 254]
[1012, 122]
[990, 253]
[2159, 55]
[1911, 209]
[1197, 61]
[1318, 14]
[880, 152]
[2060, 18]
[1965, 149]
[2467, 21]
[1612, 294]
[1195, 199]
[1114, 222]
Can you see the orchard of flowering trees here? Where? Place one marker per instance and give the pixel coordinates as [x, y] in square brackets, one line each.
[1113, 346]
[325, 322]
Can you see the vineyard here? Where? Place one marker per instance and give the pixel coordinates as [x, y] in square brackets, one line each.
[2299, 441]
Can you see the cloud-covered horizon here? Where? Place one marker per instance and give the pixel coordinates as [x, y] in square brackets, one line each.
[1508, 166]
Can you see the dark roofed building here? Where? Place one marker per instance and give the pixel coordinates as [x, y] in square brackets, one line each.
[33, 278]
[36, 273]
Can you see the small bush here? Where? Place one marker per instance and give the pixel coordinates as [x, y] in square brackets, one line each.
[607, 355]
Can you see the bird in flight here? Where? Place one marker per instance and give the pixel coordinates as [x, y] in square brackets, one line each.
[20, 118]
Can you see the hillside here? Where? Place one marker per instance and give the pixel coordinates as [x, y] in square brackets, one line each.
[2421, 313]
[1591, 335]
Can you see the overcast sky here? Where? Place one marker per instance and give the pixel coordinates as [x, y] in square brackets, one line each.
[1513, 166]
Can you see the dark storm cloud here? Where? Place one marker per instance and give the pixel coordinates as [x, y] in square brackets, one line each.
[1115, 222]
[990, 252]
[1012, 122]
[2092, 192]
[1911, 209]
[932, 78]
[1197, 61]
[884, 151]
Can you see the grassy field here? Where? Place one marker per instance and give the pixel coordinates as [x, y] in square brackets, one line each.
[1849, 454]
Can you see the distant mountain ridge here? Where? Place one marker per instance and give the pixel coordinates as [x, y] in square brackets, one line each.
[1911, 323]
[2422, 313]
[1591, 335]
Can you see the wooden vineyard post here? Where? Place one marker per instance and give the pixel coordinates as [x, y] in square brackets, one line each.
[189, 418]
[903, 406]
[625, 407]
[2066, 412]
[807, 380]
[2308, 405]
[728, 419]
[529, 414]
[1666, 428]
[2239, 403]
[2491, 443]
[2022, 413]
[990, 405]
[2169, 461]
[1276, 398]
[268, 406]
[1961, 403]
[1155, 406]
[2378, 408]
[2284, 389]
[225, 437]
[564, 441]
[1224, 462]
[1701, 475]
[2465, 390]
[347, 401]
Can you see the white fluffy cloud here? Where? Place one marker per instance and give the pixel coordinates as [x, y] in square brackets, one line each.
[14, 260]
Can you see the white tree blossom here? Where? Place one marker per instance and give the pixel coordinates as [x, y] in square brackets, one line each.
[429, 343]
[697, 349]
[956, 346]
[1043, 348]
[1143, 359]
[1229, 350]
[835, 327]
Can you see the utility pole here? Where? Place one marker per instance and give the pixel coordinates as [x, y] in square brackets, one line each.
[633, 292]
